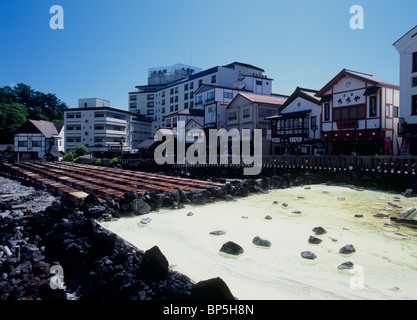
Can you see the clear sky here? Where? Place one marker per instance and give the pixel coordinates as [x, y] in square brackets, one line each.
[107, 46]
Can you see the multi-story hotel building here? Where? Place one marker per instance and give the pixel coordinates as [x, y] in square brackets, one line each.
[161, 100]
[407, 48]
[101, 128]
[360, 115]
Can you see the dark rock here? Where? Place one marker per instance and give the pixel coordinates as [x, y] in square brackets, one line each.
[348, 249]
[228, 198]
[232, 248]
[130, 196]
[296, 212]
[381, 215]
[346, 266]
[168, 201]
[218, 232]
[200, 197]
[308, 255]
[154, 265]
[314, 240]
[394, 205]
[189, 214]
[358, 215]
[139, 207]
[212, 289]
[341, 199]
[319, 231]
[182, 195]
[91, 199]
[285, 204]
[400, 235]
[275, 202]
[41, 268]
[261, 242]
[268, 217]
[408, 193]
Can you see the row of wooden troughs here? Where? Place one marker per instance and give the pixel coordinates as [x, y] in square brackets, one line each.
[76, 181]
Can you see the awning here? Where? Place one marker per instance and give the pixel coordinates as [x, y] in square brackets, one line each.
[148, 144]
[371, 91]
[291, 115]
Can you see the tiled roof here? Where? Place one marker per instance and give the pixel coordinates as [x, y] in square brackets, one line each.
[259, 98]
[370, 78]
[47, 128]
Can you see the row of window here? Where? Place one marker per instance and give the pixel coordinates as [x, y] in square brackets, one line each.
[25, 144]
[246, 113]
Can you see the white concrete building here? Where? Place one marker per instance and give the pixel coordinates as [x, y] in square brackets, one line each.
[297, 129]
[360, 115]
[407, 48]
[102, 128]
[159, 101]
[38, 139]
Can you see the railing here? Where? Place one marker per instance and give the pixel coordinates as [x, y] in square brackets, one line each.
[370, 164]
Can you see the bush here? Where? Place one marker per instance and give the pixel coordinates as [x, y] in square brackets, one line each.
[80, 150]
[69, 157]
[76, 160]
[97, 162]
[114, 161]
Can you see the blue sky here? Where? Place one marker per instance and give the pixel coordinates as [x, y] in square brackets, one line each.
[107, 46]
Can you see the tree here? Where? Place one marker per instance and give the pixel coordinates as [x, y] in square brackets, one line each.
[80, 150]
[12, 116]
[68, 157]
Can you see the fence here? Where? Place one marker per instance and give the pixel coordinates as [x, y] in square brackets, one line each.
[371, 164]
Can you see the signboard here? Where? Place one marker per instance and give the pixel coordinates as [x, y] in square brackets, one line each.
[296, 139]
[372, 106]
[388, 143]
[404, 147]
[349, 98]
[276, 140]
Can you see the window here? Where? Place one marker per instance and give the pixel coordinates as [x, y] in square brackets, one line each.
[372, 107]
[176, 107]
[186, 105]
[258, 82]
[163, 94]
[99, 115]
[133, 105]
[349, 113]
[171, 108]
[213, 79]
[99, 128]
[185, 96]
[414, 105]
[199, 99]
[176, 98]
[246, 113]
[191, 85]
[85, 105]
[176, 90]
[388, 111]
[228, 95]
[171, 92]
[70, 116]
[313, 123]
[22, 143]
[396, 112]
[232, 116]
[191, 95]
[264, 113]
[171, 100]
[191, 104]
[414, 84]
[163, 110]
[327, 112]
[210, 96]
[186, 87]
[150, 104]
[200, 82]
[415, 62]
[210, 110]
[150, 113]
[151, 97]
[163, 102]
[174, 122]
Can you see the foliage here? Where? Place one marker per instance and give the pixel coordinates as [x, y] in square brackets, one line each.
[114, 161]
[69, 157]
[97, 162]
[76, 160]
[80, 150]
[12, 116]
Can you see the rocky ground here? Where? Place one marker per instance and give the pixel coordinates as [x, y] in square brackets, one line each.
[51, 249]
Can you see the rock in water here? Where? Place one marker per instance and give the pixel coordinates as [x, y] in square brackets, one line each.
[314, 240]
[358, 215]
[218, 232]
[268, 217]
[348, 249]
[232, 248]
[381, 215]
[189, 214]
[145, 220]
[138, 206]
[154, 265]
[408, 193]
[319, 231]
[346, 266]
[308, 255]
[212, 289]
[261, 242]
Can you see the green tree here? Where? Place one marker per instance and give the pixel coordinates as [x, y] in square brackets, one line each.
[12, 116]
[68, 157]
[80, 150]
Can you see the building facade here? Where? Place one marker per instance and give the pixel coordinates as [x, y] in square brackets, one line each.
[36, 139]
[159, 101]
[102, 128]
[297, 129]
[407, 48]
[360, 115]
[250, 111]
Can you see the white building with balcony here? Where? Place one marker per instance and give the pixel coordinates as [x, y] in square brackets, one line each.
[102, 128]
[160, 100]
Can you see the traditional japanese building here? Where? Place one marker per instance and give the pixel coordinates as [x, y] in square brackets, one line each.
[360, 115]
[296, 130]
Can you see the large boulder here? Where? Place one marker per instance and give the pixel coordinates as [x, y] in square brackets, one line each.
[154, 265]
[138, 207]
[348, 249]
[319, 231]
[232, 248]
[308, 255]
[212, 289]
